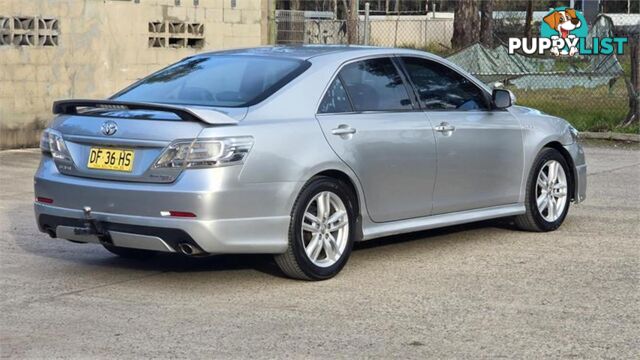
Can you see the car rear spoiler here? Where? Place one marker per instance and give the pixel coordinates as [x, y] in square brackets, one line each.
[187, 113]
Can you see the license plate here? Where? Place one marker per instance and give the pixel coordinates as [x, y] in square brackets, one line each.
[110, 159]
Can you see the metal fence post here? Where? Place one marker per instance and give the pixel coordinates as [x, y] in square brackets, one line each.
[366, 23]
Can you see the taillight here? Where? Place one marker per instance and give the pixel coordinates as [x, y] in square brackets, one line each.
[203, 153]
[44, 200]
[51, 142]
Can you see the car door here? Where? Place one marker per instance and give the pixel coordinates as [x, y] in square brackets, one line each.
[370, 120]
[480, 150]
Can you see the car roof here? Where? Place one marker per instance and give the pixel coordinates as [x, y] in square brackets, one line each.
[306, 52]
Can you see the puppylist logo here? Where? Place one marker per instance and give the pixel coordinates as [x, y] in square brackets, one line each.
[564, 31]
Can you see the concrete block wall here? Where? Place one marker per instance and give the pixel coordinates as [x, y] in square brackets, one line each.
[104, 46]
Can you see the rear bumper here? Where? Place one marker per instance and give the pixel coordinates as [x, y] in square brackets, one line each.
[232, 216]
[248, 235]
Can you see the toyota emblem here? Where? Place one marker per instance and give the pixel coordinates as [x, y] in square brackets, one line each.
[109, 127]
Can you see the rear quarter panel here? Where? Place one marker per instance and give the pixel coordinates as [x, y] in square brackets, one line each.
[289, 146]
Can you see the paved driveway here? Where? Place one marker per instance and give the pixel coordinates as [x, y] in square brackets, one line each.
[473, 291]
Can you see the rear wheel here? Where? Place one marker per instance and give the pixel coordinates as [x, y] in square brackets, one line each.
[548, 193]
[128, 253]
[321, 231]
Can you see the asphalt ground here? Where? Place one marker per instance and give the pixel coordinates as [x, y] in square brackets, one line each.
[476, 291]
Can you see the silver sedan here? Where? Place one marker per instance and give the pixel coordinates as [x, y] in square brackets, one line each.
[299, 152]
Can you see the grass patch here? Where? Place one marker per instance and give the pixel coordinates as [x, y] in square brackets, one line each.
[587, 109]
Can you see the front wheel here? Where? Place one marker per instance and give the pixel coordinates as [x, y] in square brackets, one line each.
[321, 231]
[548, 193]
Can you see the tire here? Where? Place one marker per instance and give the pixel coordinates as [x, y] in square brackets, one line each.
[547, 219]
[323, 261]
[127, 253]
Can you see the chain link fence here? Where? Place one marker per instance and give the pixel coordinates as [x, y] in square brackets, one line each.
[417, 31]
[592, 92]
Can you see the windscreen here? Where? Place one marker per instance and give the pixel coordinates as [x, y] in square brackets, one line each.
[223, 81]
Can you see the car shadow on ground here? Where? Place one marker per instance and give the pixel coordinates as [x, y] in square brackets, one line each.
[95, 256]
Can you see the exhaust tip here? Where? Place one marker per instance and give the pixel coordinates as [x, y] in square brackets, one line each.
[188, 249]
[185, 249]
[51, 232]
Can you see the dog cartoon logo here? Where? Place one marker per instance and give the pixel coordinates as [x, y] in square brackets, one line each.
[565, 31]
[564, 23]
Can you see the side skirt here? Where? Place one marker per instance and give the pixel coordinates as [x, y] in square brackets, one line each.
[376, 230]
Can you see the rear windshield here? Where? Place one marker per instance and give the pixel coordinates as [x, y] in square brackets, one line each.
[219, 80]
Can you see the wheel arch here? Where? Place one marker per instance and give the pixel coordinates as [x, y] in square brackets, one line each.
[556, 145]
[347, 180]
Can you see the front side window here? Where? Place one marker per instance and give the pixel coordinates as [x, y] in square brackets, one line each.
[375, 85]
[335, 100]
[218, 80]
[442, 88]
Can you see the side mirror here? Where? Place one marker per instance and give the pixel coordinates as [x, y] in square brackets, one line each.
[501, 99]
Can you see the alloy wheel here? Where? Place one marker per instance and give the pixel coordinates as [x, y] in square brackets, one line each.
[325, 229]
[551, 190]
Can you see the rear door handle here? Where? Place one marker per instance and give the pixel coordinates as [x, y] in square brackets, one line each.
[342, 130]
[445, 127]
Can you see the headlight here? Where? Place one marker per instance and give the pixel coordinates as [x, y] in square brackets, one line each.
[52, 143]
[200, 153]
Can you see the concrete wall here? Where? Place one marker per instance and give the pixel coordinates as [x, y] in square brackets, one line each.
[103, 45]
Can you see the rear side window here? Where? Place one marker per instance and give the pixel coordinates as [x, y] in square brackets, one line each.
[218, 80]
[442, 88]
[375, 85]
[335, 100]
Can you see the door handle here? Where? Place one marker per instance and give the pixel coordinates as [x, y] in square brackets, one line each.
[342, 130]
[445, 128]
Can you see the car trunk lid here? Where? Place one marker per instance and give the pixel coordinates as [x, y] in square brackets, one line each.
[132, 136]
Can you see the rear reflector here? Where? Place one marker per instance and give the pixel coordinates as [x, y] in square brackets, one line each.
[178, 214]
[44, 200]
